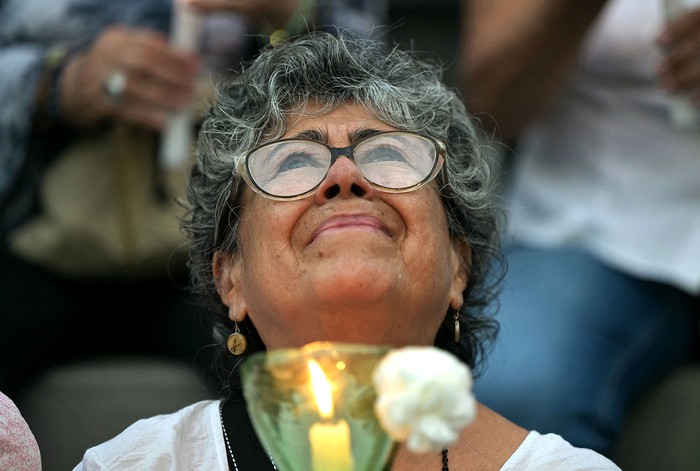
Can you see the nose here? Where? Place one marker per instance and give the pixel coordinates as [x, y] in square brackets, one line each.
[344, 180]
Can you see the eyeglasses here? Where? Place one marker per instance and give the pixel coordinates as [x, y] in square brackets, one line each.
[394, 161]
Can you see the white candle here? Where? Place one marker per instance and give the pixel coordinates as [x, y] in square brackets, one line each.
[330, 440]
[176, 141]
[330, 446]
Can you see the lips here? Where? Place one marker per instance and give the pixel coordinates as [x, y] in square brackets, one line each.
[359, 222]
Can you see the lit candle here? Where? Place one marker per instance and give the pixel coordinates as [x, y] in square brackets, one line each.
[330, 441]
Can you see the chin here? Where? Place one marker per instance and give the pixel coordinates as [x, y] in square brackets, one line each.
[358, 287]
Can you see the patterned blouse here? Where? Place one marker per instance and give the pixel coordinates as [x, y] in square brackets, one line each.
[18, 448]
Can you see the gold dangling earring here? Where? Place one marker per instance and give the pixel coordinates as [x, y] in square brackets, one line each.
[236, 342]
[456, 317]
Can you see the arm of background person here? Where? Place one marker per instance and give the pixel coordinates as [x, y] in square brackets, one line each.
[29, 29]
[515, 55]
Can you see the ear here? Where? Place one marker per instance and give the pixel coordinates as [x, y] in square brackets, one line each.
[461, 268]
[227, 271]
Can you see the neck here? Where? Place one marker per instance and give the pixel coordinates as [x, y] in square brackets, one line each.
[485, 445]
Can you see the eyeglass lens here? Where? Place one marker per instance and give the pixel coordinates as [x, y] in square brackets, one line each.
[393, 160]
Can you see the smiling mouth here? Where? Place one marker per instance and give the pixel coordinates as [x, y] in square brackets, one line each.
[360, 223]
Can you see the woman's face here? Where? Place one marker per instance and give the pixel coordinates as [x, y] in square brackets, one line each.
[348, 263]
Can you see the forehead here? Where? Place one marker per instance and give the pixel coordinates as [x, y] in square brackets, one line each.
[336, 124]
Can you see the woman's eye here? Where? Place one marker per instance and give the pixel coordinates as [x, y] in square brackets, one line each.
[297, 161]
[386, 153]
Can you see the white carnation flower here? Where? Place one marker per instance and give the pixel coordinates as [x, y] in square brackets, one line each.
[423, 397]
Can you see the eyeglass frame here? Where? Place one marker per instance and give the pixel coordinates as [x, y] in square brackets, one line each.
[336, 153]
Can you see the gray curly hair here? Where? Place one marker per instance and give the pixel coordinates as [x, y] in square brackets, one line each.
[399, 89]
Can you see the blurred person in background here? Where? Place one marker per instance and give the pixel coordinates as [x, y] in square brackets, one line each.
[603, 197]
[72, 68]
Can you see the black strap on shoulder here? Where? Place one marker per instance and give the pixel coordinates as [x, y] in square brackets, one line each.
[248, 453]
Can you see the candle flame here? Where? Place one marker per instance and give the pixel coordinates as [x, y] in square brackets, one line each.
[322, 390]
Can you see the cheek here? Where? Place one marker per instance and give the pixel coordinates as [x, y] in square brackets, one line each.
[435, 244]
[427, 221]
[261, 239]
[266, 231]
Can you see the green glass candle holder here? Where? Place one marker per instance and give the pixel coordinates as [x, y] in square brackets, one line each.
[313, 407]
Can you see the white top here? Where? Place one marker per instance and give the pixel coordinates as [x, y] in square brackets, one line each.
[606, 169]
[192, 439]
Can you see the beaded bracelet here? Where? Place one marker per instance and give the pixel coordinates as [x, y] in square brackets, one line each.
[48, 113]
[55, 62]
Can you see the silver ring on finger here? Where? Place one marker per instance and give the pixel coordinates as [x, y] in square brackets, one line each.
[114, 85]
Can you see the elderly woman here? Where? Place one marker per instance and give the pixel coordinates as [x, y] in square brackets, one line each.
[340, 195]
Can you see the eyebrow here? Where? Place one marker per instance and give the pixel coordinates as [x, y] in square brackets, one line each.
[321, 136]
